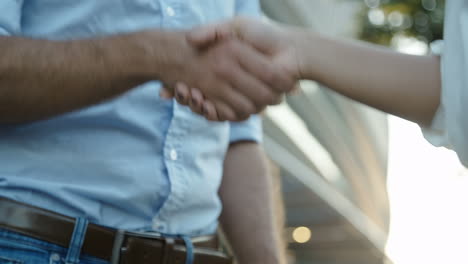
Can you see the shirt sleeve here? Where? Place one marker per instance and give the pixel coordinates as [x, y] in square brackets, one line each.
[248, 8]
[10, 17]
[449, 127]
[251, 129]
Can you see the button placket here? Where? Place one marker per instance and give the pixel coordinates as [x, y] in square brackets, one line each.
[173, 156]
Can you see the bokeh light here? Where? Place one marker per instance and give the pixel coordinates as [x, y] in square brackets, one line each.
[302, 234]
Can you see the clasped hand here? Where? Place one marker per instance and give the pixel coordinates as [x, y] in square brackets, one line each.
[244, 65]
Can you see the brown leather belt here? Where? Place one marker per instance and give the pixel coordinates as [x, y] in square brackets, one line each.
[105, 243]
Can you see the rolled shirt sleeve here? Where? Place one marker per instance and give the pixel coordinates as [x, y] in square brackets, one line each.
[10, 17]
[249, 130]
[449, 127]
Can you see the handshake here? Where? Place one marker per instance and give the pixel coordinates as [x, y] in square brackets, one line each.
[235, 69]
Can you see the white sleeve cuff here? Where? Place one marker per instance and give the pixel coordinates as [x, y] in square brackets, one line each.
[437, 133]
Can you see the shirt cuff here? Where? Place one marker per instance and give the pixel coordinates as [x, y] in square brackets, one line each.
[436, 133]
[249, 130]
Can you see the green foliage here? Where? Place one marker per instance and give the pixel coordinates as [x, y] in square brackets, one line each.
[382, 19]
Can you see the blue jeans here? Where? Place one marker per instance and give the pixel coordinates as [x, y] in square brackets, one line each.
[19, 249]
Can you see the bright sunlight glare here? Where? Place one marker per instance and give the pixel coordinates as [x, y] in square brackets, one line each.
[428, 190]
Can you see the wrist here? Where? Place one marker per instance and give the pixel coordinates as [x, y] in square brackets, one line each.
[149, 55]
[310, 53]
[306, 46]
[168, 56]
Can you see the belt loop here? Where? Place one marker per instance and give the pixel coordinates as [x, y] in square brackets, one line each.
[116, 248]
[76, 242]
[167, 249]
[189, 250]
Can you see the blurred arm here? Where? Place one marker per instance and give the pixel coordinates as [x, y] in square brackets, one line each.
[404, 85]
[42, 78]
[248, 216]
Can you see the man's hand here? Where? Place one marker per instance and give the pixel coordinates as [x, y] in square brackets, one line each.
[238, 79]
[277, 72]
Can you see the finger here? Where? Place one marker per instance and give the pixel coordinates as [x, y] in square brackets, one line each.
[224, 112]
[264, 69]
[209, 111]
[207, 35]
[182, 93]
[237, 102]
[196, 101]
[257, 91]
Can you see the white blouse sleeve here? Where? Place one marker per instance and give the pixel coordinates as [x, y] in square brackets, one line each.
[450, 125]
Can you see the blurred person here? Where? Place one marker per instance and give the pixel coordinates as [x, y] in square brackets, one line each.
[430, 90]
[95, 167]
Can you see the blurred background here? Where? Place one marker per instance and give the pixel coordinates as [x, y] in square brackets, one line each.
[360, 186]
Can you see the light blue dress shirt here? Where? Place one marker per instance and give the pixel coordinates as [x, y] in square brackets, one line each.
[137, 162]
[449, 126]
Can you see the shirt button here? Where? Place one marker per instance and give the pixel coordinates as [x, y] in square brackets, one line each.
[170, 11]
[173, 154]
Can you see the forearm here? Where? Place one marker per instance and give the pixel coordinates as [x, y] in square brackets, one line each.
[403, 85]
[248, 217]
[41, 78]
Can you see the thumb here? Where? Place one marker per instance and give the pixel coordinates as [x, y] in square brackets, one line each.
[204, 36]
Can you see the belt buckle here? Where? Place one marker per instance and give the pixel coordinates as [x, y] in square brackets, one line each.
[169, 242]
[120, 236]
